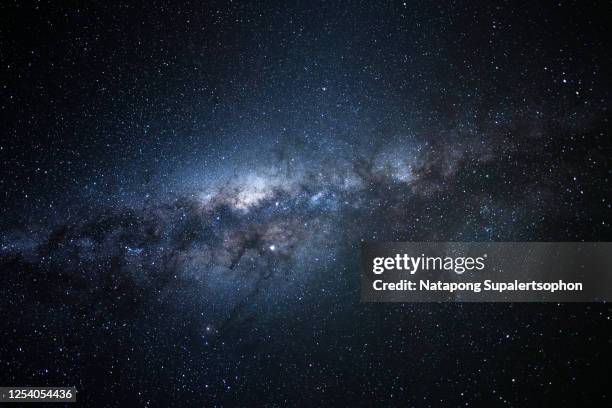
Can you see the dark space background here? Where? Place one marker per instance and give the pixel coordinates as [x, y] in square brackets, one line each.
[185, 187]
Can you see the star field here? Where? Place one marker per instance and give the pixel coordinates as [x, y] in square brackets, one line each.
[185, 188]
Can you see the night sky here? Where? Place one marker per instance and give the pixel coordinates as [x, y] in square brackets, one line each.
[185, 188]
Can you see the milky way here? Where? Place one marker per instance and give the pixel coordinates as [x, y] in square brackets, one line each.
[187, 188]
